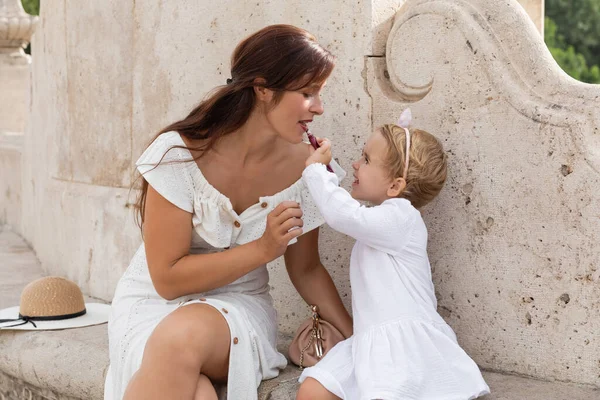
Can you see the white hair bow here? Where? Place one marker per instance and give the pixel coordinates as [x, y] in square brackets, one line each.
[405, 119]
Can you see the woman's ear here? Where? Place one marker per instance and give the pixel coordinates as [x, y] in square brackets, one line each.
[261, 92]
[396, 187]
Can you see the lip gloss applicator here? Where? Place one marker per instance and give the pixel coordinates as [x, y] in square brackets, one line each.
[315, 145]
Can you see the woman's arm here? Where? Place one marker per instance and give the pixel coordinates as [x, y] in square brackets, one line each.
[175, 272]
[313, 282]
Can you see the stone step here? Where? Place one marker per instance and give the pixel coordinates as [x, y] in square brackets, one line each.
[71, 364]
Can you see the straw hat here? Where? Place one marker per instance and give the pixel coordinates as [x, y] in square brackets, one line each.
[52, 303]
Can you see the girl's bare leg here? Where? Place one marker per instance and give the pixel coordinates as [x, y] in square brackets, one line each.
[191, 342]
[311, 389]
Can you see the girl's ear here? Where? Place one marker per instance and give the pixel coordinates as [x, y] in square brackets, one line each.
[261, 92]
[396, 187]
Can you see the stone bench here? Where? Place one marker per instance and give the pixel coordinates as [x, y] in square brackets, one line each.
[71, 364]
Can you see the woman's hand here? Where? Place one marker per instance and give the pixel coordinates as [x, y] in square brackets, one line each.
[283, 224]
[321, 155]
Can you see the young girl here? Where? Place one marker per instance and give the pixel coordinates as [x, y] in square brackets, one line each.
[401, 347]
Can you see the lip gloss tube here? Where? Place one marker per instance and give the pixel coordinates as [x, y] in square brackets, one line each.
[313, 142]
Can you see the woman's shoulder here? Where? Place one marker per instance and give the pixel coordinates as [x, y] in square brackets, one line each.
[166, 147]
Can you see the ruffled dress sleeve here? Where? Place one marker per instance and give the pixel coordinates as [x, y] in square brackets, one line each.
[168, 169]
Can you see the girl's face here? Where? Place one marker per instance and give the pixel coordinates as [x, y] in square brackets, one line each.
[371, 180]
[295, 110]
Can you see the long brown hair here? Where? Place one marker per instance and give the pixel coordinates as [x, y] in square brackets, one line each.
[283, 57]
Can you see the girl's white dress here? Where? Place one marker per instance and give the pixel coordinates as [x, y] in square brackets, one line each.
[246, 303]
[401, 347]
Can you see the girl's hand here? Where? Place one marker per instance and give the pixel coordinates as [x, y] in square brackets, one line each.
[321, 155]
[283, 224]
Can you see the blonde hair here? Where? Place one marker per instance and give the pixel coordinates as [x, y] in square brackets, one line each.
[427, 163]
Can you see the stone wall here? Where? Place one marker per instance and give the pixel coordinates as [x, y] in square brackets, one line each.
[535, 10]
[13, 389]
[11, 145]
[514, 235]
[16, 28]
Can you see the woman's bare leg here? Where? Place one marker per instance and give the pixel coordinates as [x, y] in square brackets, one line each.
[193, 339]
[311, 389]
[205, 389]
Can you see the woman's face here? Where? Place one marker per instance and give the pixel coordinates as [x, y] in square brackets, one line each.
[295, 110]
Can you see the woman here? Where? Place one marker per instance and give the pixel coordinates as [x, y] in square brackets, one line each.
[221, 197]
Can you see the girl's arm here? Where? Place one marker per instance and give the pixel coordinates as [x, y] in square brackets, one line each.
[384, 227]
[313, 282]
[175, 272]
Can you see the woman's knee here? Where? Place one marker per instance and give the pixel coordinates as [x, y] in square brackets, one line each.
[312, 389]
[193, 335]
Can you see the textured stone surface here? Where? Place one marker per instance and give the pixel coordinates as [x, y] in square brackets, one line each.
[16, 28]
[14, 101]
[99, 43]
[510, 387]
[535, 10]
[19, 266]
[11, 145]
[502, 387]
[514, 235]
[71, 362]
[15, 389]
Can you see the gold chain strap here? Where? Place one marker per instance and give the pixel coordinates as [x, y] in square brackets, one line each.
[315, 334]
[312, 336]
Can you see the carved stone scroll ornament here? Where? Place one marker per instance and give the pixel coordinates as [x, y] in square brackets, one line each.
[502, 40]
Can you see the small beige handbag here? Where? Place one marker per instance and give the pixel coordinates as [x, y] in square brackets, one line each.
[313, 339]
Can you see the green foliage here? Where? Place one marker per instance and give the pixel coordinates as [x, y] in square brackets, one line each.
[575, 65]
[31, 6]
[566, 55]
[579, 24]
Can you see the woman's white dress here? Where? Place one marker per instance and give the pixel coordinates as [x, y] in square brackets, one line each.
[401, 347]
[137, 308]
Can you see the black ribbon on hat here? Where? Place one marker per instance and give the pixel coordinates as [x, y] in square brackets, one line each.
[30, 320]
